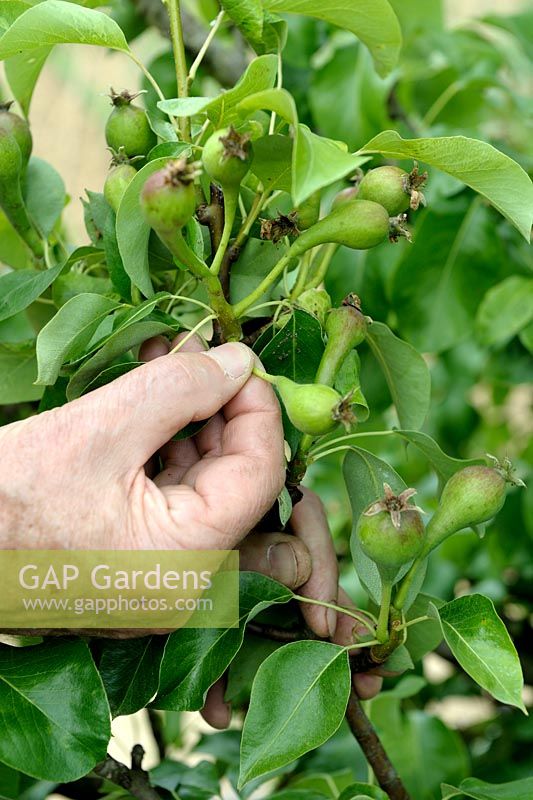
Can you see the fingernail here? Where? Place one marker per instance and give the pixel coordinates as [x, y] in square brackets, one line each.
[331, 621]
[234, 358]
[283, 564]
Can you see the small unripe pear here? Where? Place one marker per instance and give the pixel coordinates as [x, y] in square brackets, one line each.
[168, 198]
[310, 407]
[359, 224]
[128, 127]
[390, 531]
[473, 495]
[387, 186]
[12, 124]
[227, 157]
[308, 212]
[116, 183]
[347, 324]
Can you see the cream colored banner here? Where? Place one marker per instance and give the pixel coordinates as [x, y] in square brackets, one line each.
[148, 589]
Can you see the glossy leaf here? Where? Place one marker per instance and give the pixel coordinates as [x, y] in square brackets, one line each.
[505, 310]
[133, 232]
[480, 790]
[19, 289]
[481, 644]
[196, 657]
[68, 332]
[372, 21]
[124, 340]
[60, 741]
[479, 165]
[406, 373]
[129, 669]
[59, 22]
[287, 716]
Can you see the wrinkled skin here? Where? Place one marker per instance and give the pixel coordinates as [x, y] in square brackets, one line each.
[83, 476]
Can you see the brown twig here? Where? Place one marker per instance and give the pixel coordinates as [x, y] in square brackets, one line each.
[375, 754]
[134, 779]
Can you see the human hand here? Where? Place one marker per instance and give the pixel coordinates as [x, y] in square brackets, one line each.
[75, 477]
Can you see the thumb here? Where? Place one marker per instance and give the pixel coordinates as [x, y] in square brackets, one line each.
[139, 412]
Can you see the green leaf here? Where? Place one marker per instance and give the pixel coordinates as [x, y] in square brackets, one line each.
[481, 644]
[406, 373]
[364, 475]
[316, 161]
[247, 15]
[288, 715]
[13, 252]
[258, 257]
[260, 74]
[480, 790]
[355, 791]
[19, 289]
[130, 672]
[443, 275]
[372, 21]
[298, 794]
[222, 110]
[68, 332]
[9, 783]
[9, 11]
[124, 340]
[133, 232]
[59, 22]
[445, 466]
[272, 162]
[52, 740]
[18, 370]
[284, 506]
[421, 748]
[196, 657]
[22, 72]
[201, 782]
[505, 310]
[479, 165]
[424, 637]
[44, 194]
